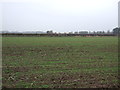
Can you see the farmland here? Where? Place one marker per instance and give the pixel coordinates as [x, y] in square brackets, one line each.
[60, 62]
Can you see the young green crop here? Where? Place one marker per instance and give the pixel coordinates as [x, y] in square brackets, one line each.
[60, 62]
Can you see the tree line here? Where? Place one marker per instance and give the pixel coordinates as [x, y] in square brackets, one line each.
[114, 32]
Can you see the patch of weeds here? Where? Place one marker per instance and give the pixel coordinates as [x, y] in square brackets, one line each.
[44, 86]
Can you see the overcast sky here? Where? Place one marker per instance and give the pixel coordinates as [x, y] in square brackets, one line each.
[59, 15]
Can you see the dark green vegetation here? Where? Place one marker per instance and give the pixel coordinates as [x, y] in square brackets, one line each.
[60, 62]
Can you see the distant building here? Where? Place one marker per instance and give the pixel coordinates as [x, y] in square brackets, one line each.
[83, 32]
[76, 32]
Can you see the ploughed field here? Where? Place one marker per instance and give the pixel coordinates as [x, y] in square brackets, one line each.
[60, 62]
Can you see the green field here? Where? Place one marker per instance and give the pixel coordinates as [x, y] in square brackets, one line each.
[60, 62]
